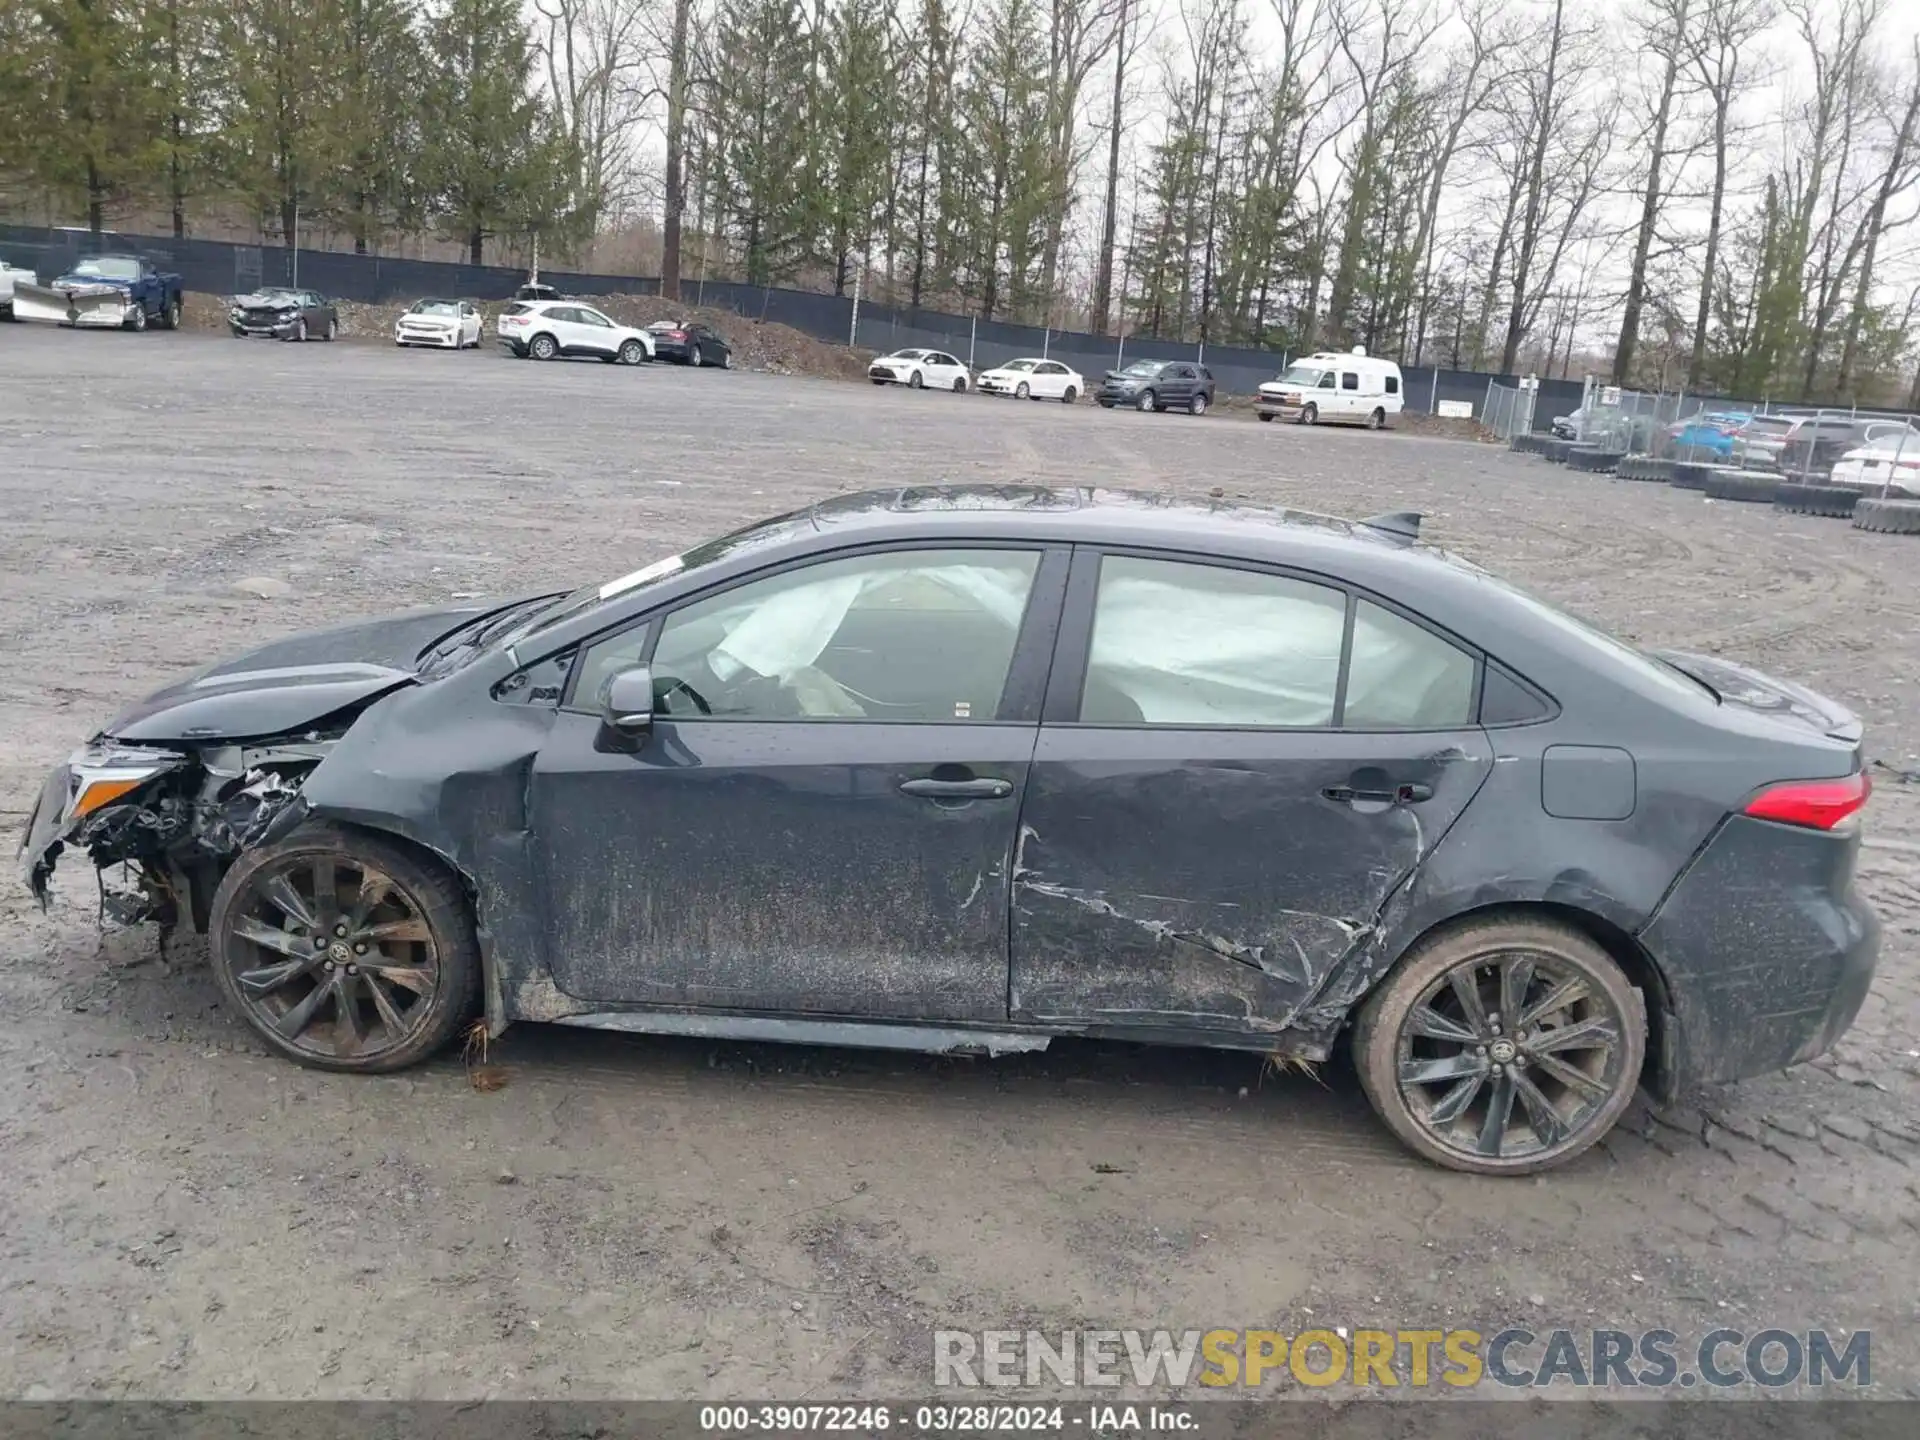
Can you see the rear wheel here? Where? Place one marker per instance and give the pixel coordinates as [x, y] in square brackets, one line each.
[1265, 416]
[170, 317]
[1502, 1047]
[1197, 405]
[344, 951]
[333, 328]
[1377, 420]
[1069, 395]
[694, 358]
[543, 347]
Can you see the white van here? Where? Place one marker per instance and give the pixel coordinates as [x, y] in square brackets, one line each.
[1351, 389]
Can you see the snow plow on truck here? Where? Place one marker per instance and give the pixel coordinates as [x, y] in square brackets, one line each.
[104, 292]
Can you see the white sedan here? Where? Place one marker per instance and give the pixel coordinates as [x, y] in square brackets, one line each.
[551, 329]
[442, 324]
[1897, 467]
[919, 369]
[1034, 379]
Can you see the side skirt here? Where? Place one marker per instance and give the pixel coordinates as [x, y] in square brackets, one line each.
[852, 1033]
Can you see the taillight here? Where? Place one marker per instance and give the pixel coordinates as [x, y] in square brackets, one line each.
[676, 334]
[1816, 804]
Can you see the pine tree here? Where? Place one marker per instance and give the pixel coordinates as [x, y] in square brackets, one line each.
[488, 153]
[373, 118]
[860, 98]
[758, 128]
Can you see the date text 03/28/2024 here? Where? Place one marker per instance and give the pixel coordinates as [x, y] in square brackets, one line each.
[962, 1419]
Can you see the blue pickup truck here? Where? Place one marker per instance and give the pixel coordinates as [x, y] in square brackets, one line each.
[106, 292]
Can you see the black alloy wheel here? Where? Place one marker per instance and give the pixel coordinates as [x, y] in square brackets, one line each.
[1503, 1048]
[343, 951]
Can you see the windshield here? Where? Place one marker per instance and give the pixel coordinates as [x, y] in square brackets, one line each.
[1018, 365]
[1142, 367]
[108, 267]
[435, 307]
[275, 297]
[909, 355]
[1308, 375]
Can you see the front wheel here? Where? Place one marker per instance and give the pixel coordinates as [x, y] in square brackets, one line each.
[300, 330]
[1021, 391]
[344, 951]
[1503, 1047]
[1310, 415]
[918, 382]
[139, 320]
[1147, 402]
[959, 384]
[1264, 416]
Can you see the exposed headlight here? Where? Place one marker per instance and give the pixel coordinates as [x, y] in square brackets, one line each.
[107, 772]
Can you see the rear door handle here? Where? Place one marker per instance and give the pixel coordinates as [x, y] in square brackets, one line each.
[958, 789]
[1399, 795]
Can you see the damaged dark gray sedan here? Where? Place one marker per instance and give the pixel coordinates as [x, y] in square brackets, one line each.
[965, 769]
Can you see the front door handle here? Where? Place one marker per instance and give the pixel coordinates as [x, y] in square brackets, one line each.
[958, 789]
[1398, 795]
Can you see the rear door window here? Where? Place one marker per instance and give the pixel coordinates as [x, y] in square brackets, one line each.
[1393, 384]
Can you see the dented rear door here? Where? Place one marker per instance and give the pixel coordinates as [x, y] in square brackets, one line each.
[1171, 875]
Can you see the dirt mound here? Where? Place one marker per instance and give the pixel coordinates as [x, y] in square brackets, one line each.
[757, 345]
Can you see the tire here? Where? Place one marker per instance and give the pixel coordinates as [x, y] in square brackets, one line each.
[1836, 502]
[959, 384]
[1887, 517]
[918, 382]
[170, 316]
[333, 328]
[632, 353]
[1753, 489]
[726, 363]
[693, 357]
[879, 382]
[1198, 404]
[300, 330]
[1597, 462]
[1023, 391]
[273, 986]
[1147, 403]
[1264, 418]
[1377, 420]
[1069, 395]
[1689, 476]
[1310, 415]
[139, 321]
[1538, 956]
[543, 347]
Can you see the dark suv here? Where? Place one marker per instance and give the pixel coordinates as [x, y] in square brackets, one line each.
[1158, 385]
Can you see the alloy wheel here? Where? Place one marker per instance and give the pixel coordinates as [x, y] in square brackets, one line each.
[1511, 1055]
[332, 955]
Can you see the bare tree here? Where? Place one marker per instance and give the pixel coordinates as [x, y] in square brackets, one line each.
[596, 59]
[1719, 55]
[1663, 31]
[1899, 174]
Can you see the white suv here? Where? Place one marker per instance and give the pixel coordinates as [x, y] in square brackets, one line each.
[550, 329]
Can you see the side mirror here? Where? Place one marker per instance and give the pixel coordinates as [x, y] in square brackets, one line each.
[626, 704]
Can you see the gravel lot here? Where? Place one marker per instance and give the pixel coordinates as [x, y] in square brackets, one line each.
[183, 1216]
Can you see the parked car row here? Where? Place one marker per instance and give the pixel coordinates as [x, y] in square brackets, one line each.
[1809, 445]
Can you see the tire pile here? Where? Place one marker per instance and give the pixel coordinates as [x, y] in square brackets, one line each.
[1831, 499]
